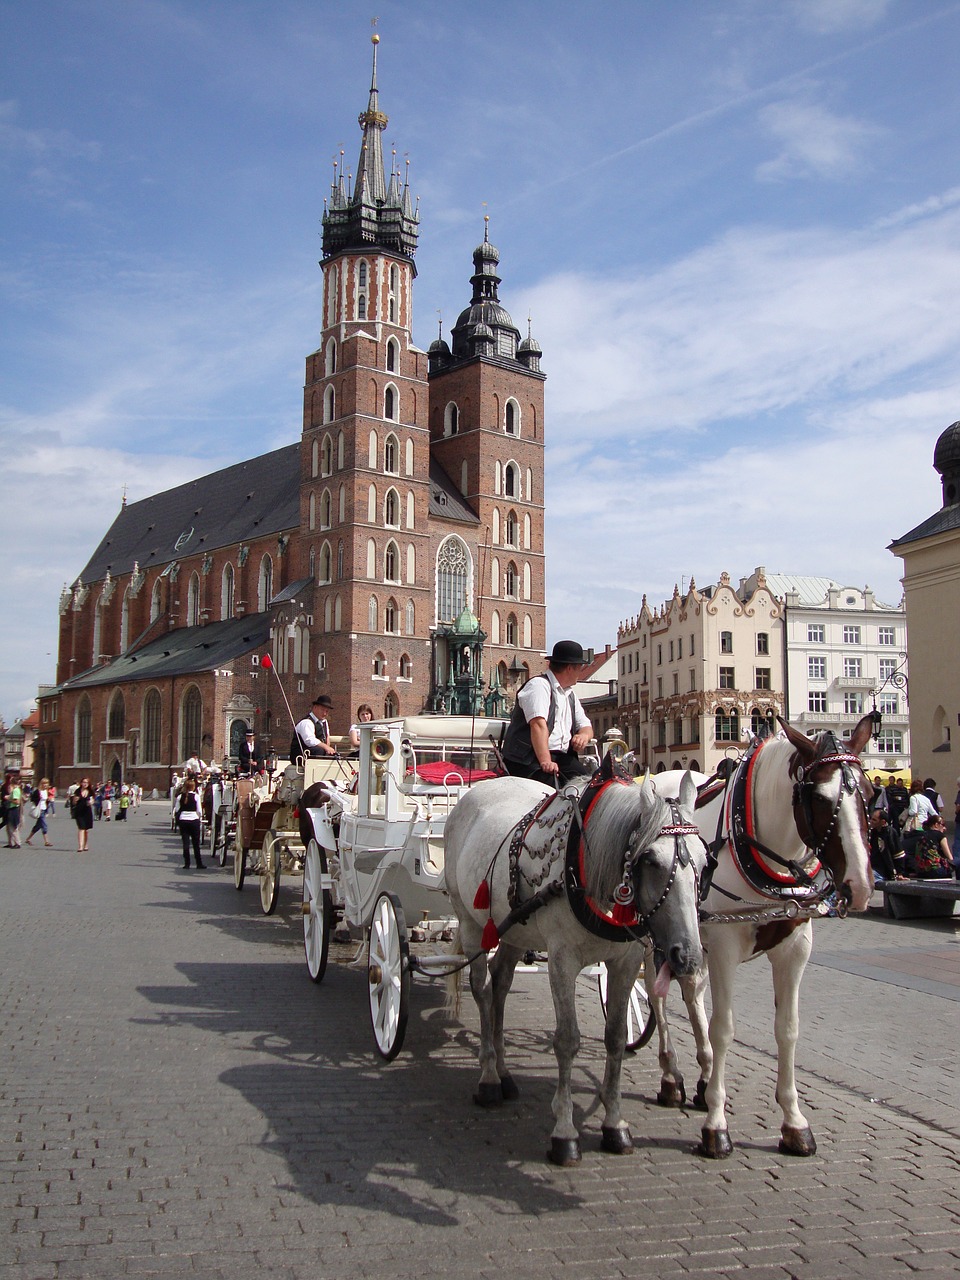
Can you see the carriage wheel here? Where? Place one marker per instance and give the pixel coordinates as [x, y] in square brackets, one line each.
[270, 872]
[317, 911]
[239, 864]
[641, 1020]
[388, 975]
[220, 840]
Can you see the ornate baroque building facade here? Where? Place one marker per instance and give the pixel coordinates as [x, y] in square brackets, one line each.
[394, 555]
[700, 673]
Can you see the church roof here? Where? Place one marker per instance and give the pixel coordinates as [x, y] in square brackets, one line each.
[186, 651]
[943, 521]
[446, 500]
[245, 501]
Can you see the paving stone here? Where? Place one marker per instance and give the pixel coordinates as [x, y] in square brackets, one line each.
[184, 1101]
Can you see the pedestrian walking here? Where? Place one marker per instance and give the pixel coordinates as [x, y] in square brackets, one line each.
[40, 797]
[13, 810]
[83, 813]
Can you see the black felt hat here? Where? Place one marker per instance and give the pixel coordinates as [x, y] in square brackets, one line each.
[567, 653]
[323, 700]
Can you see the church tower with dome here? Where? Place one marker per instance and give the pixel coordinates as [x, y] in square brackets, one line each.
[931, 585]
[486, 431]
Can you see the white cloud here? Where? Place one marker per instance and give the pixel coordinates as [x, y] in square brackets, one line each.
[829, 16]
[772, 399]
[920, 209]
[826, 503]
[755, 323]
[814, 141]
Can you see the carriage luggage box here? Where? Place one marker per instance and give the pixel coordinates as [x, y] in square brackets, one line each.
[919, 899]
[254, 826]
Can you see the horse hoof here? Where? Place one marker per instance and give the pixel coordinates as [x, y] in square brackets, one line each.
[797, 1142]
[509, 1089]
[672, 1094]
[564, 1151]
[700, 1098]
[715, 1144]
[619, 1142]
[488, 1095]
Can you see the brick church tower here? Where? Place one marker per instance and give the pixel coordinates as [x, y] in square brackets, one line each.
[421, 510]
[486, 431]
[365, 447]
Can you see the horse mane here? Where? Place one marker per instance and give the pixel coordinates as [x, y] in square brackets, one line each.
[622, 816]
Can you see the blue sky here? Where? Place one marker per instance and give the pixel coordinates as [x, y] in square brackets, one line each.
[735, 225]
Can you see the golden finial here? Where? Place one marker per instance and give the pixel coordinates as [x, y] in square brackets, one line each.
[374, 39]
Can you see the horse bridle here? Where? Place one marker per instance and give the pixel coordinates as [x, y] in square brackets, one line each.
[624, 894]
[803, 790]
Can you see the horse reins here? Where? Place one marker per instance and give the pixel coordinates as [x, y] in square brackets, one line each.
[624, 895]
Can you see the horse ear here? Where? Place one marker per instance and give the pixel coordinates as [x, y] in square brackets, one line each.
[688, 792]
[645, 780]
[607, 767]
[799, 740]
[861, 734]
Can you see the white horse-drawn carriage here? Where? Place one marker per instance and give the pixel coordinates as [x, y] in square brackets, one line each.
[430, 828]
[374, 852]
[257, 818]
[419, 844]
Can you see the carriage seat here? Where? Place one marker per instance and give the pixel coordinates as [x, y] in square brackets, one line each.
[440, 778]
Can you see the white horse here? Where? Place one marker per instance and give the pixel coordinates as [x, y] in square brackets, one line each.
[631, 870]
[789, 828]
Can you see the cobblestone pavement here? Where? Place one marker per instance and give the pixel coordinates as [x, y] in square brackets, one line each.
[179, 1099]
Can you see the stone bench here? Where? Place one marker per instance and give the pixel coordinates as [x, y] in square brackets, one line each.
[916, 899]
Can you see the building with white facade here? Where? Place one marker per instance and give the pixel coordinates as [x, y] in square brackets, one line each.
[699, 675]
[845, 654]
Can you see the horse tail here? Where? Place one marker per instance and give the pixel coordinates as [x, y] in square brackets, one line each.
[451, 1005]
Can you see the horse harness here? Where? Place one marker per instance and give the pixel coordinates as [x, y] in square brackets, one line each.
[567, 817]
[800, 887]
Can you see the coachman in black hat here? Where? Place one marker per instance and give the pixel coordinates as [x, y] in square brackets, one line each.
[549, 728]
[312, 735]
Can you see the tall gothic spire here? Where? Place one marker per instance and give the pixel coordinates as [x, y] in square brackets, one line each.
[371, 215]
[369, 188]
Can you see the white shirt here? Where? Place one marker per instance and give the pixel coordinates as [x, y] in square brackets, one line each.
[308, 733]
[535, 699]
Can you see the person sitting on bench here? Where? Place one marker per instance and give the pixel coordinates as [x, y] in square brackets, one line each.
[931, 859]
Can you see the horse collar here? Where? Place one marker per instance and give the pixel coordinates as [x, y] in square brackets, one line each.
[765, 870]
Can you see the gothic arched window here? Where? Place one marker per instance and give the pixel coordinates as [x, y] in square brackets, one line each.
[191, 715]
[453, 571]
[151, 719]
[116, 716]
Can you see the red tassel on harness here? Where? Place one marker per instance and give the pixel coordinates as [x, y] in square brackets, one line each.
[481, 901]
[623, 914]
[491, 937]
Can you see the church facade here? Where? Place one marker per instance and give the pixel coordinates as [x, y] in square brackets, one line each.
[394, 555]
